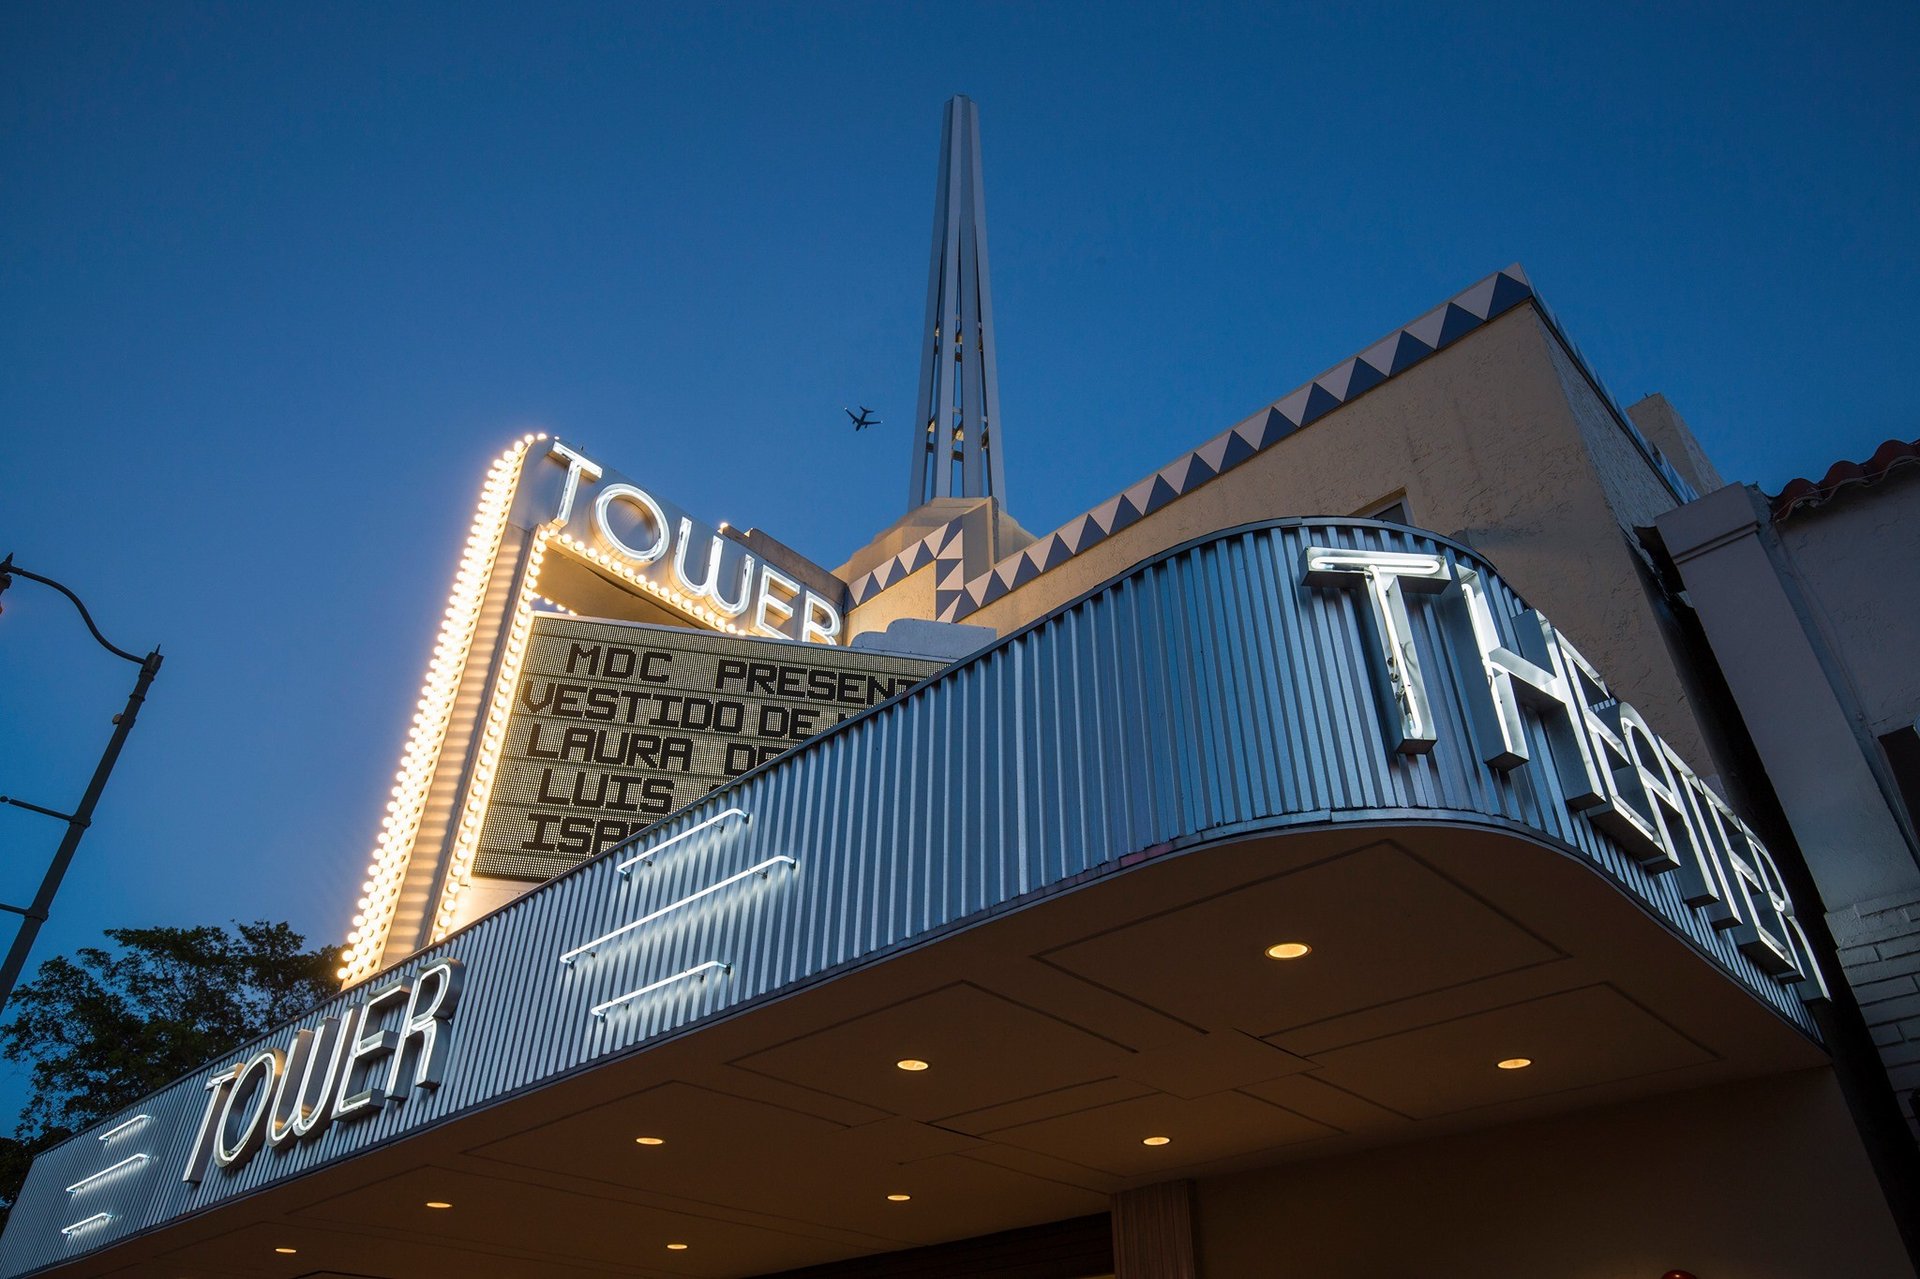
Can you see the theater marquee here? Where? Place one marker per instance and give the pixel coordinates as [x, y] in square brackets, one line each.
[1209, 702]
[555, 530]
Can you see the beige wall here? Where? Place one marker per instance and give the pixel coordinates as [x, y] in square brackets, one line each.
[1497, 441]
[1793, 693]
[1635, 492]
[1857, 562]
[1812, 625]
[911, 596]
[1854, 562]
[1760, 1180]
[1661, 423]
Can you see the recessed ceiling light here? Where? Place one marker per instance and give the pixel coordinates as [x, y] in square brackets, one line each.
[1155, 1141]
[911, 1063]
[288, 1251]
[898, 1199]
[650, 1141]
[1515, 1063]
[438, 1203]
[676, 1247]
[1289, 950]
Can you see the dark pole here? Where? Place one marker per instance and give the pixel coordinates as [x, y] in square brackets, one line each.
[82, 817]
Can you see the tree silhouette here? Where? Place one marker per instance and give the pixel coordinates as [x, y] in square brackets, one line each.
[104, 1028]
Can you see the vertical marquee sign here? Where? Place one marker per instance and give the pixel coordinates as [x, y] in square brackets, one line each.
[554, 526]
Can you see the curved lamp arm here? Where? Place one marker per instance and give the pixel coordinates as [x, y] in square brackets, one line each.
[7, 570]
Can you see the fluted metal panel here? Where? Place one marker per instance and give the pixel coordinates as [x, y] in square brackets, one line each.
[1206, 694]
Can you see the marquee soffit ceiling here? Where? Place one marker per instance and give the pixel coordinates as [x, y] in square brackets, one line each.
[1057, 1038]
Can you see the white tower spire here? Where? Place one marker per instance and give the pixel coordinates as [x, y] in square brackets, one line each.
[956, 441]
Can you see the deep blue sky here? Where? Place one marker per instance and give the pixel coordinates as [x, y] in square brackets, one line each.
[276, 281]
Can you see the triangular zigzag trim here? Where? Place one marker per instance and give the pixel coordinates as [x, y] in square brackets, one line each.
[1379, 363]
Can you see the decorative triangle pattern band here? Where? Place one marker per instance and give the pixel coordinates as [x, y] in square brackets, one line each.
[909, 561]
[1344, 382]
[1383, 360]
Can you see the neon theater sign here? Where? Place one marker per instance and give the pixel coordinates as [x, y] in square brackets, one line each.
[1609, 764]
[349, 1067]
[346, 1068]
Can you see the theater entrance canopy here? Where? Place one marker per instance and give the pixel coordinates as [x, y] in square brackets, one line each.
[1297, 839]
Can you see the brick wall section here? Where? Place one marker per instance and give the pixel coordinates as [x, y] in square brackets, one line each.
[1879, 945]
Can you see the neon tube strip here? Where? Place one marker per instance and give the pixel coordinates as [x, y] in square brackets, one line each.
[1327, 559]
[84, 1182]
[601, 1010]
[626, 867]
[760, 869]
[117, 1129]
[98, 1218]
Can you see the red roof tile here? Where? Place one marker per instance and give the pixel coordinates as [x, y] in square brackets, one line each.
[1804, 494]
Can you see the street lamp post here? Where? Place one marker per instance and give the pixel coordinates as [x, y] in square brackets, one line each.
[31, 917]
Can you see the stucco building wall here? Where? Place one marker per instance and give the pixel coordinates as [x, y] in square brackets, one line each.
[1857, 561]
[1668, 432]
[1853, 560]
[1815, 643]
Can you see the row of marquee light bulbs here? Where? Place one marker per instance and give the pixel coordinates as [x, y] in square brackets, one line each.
[379, 894]
[432, 713]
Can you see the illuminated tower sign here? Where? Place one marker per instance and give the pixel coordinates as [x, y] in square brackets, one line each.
[556, 532]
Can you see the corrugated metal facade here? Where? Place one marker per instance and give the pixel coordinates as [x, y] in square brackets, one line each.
[1205, 694]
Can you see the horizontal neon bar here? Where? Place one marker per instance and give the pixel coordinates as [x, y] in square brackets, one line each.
[759, 869]
[627, 866]
[119, 1128]
[84, 1182]
[600, 1010]
[1322, 559]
